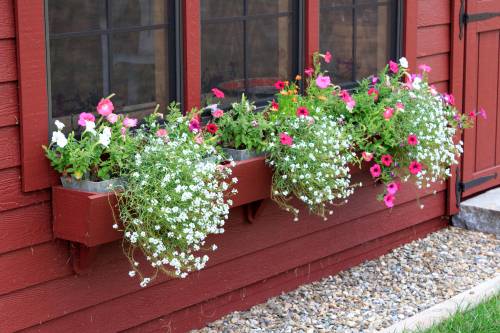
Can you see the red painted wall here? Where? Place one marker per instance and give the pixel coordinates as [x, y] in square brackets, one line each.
[40, 292]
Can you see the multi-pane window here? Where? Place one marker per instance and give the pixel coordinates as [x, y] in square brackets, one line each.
[246, 45]
[362, 36]
[98, 47]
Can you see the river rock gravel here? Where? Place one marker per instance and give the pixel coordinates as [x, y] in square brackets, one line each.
[377, 293]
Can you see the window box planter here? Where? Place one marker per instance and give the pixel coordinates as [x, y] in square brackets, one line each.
[87, 217]
[90, 186]
[241, 154]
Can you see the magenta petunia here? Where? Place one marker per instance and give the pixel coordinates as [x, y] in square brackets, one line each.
[217, 93]
[309, 71]
[393, 66]
[386, 160]
[279, 85]
[194, 125]
[415, 167]
[286, 139]
[302, 111]
[327, 57]
[412, 140]
[323, 81]
[425, 68]
[388, 113]
[375, 170]
[392, 188]
[389, 200]
[84, 117]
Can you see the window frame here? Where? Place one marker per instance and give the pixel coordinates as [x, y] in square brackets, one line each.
[32, 72]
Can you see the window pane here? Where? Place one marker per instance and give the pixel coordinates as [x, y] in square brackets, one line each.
[76, 15]
[139, 13]
[247, 54]
[140, 68]
[76, 76]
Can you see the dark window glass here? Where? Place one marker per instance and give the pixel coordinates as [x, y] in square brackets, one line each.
[247, 45]
[362, 36]
[99, 47]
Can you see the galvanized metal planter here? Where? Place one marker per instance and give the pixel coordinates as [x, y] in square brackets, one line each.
[241, 154]
[90, 186]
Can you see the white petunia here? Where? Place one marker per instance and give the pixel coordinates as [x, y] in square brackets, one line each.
[59, 138]
[59, 125]
[105, 137]
[403, 62]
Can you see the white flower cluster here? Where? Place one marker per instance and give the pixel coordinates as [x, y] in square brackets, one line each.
[430, 122]
[174, 199]
[315, 167]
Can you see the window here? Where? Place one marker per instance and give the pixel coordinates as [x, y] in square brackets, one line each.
[362, 36]
[99, 47]
[247, 45]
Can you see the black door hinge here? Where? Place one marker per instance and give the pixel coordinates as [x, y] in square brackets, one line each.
[461, 187]
[468, 18]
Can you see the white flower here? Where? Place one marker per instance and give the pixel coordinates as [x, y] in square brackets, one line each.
[403, 62]
[131, 273]
[90, 126]
[59, 138]
[59, 125]
[105, 137]
[115, 226]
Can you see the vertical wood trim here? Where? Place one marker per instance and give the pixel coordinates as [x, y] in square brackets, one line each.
[456, 88]
[33, 100]
[410, 32]
[192, 53]
[311, 32]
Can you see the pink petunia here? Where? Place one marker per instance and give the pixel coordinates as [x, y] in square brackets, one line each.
[323, 81]
[392, 188]
[112, 118]
[194, 125]
[449, 98]
[217, 113]
[279, 85]
[123, 131]
[375, 170]
[367, 156]
[217, 93]
[84, 117]
[386, 160]
[309, 71]
[105, 107]
[286, 139]
[393, 66]
[425, 68]
[129, 122]
[388, 113]
[327, 57]
[374, 79]
[482, 113]
[302, 111]
[412, 140]
[198, 139]
[415, 167]
[374, 92]
[348, 100]
[274, 106]
[389, 200]
[161, 133]
[400, 106]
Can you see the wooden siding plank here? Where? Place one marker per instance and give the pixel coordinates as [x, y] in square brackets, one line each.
[109, 280]
[410, 33]
[9, 114]
[11, 195]
[8, 66]
[433, 12]
[440, 64]
[311, 34]
[442, 87]
[30, 266]
[201, 314]
[192, 54]
[27, 226]
[9, 147]
[7, 28]
[433, 40]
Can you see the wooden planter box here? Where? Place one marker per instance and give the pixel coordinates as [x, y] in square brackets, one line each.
[87, 218]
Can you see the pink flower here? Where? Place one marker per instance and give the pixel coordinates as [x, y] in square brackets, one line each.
[400, 106]
[374, 79]
[279, 85]
[389, 200]
[388, 113]
[112, 118]
[425, 68]
[302, 111]
[105, 107]
[194, 125]
[217, 93]
[367, 156]
[433, 90]
[123, 131]
[285, 139]
[393, 66]
[129, 122]
[348, 100]
[415, 167]
[327, 57]
[309, 71]
[212, 128]
[412, 140]
[198, 139]
[217, 113]
[322, 81]
[161, 133]
[84, 117]
[392, 188]
[449, 98]
[374, 92]
[386, 160]
[375, 170]
[482, 113]
[274, 106]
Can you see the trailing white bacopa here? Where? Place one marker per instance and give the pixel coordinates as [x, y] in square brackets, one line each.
[310, 157]
[432, 122]
[174, 199]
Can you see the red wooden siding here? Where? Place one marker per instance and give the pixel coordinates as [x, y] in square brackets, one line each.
[40, 292]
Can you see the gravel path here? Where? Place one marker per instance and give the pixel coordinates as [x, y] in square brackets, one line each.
[377, 293]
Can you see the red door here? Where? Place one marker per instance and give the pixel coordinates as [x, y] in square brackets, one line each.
[481, 159]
